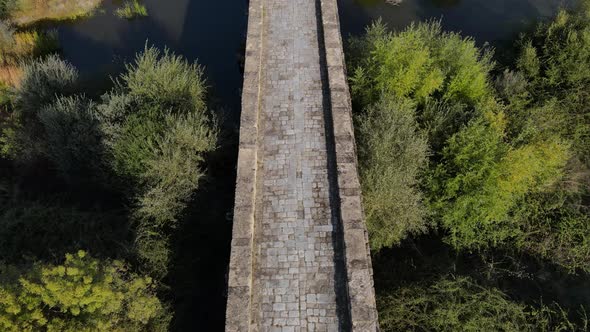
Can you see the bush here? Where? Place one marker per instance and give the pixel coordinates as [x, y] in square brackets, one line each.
[419, 62]
[167, 80]
[158, 130]
[43, 81]
[556, 227]
[437, 78]
[392, 154]
[556, 61]
[83, 294]
[73, 138]
[481, 179]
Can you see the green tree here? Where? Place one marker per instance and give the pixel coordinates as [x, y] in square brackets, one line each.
[392, 153]
[419, 62]
[73, 139]
[548, 96]
[83, 294]
[43, 81]
[556, 61]
[412, 86]
[481, 178]
[158, 131]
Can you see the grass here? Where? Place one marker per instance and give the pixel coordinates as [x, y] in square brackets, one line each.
[132, 9]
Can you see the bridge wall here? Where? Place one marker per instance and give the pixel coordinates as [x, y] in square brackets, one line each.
[241, 260]
[357, 256]
[346, 188]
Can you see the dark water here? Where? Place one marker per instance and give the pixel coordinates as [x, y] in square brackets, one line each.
[485, 20]
[214, 31]
[211, 31]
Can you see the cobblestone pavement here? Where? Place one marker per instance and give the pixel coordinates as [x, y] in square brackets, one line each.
[294, 270]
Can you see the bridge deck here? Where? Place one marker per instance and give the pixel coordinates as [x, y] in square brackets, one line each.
[290, 268]
[293, 238]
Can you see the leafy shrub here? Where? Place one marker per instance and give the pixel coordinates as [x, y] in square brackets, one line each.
[73, 137]
[556, 227]
[158, 130]
[556, 61]
[166, 80]
[83, 294]
[392, 153]
[43, 81]
[172, 176]
[481, 179]
[418, 63]
[19, 47]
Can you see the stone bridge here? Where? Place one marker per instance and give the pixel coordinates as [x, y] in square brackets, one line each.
[300, 259]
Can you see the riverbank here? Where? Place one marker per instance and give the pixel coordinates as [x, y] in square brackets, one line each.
[27, 12]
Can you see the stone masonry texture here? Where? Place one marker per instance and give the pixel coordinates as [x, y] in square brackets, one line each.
[300, 259]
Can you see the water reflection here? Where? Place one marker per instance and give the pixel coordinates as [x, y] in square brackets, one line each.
[483, 19]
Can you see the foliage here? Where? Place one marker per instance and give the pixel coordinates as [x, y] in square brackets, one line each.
[132, 9]
[167, 80]
[83, 294]
[419, 62]
[556, 227]
[64, 130]
[43, 81]
[392, 154]
[72, 137]
[158, 129]
[508, 167]
[450, 305]
[459, 304]
[482, 178]
[556, 61]
[437, 78]
[552, 99]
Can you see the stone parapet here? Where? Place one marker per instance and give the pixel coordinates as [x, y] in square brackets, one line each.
[360, 287]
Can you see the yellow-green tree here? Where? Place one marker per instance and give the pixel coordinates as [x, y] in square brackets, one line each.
[82, 294]
[482, 178]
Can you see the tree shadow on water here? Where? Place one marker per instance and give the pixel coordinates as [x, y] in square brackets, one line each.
[202, 247]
